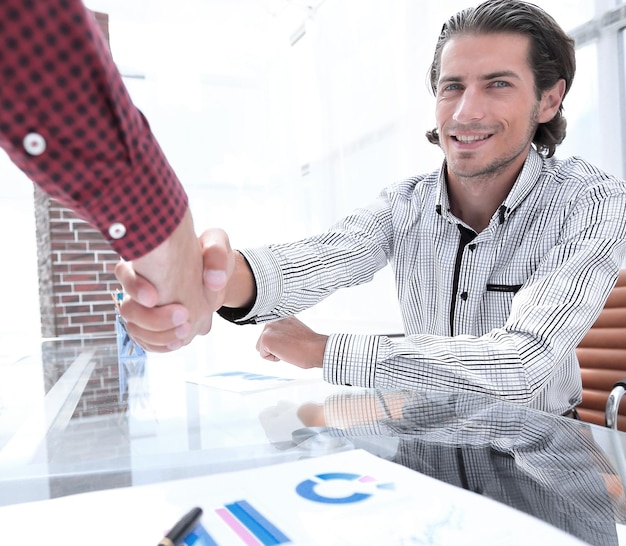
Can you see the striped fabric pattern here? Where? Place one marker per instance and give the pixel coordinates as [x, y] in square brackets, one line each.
[499, 313]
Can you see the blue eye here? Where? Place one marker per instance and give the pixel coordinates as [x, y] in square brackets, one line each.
[451, 87]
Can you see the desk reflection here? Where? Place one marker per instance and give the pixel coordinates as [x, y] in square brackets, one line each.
[80, 418]
[549, 467]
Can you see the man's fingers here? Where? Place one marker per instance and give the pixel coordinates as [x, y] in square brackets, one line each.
[161, 348]
[217, 259]
[269, 356]
[160, 329]
[167, 340]
[156, 319]
[136, 286]
[263, 350]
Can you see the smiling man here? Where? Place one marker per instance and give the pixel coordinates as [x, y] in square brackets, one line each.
[503, 258]
[488, 112]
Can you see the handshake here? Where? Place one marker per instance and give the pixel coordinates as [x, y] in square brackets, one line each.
[173, 291]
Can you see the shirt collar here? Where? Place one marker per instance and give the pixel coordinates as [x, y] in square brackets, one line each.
[524, 184]
[526, 180]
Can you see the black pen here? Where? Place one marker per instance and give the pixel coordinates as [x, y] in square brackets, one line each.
[182, 528]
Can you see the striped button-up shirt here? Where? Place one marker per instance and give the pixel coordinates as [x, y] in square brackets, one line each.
[499, 312]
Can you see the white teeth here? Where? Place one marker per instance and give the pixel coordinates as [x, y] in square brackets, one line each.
[466, 139]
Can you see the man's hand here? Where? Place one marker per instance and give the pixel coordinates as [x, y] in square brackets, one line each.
[173, 291]
[292, 341]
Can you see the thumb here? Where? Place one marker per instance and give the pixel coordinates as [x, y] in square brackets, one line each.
[217, 259]
[136, 286]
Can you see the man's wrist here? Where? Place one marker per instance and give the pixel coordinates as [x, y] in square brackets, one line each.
[162, 265]
[241, 291]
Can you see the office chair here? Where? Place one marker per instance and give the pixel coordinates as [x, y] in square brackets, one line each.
[602, 358]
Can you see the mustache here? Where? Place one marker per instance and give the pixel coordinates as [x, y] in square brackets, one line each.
[470, 128]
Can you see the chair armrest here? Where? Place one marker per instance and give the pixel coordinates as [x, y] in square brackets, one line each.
[612, 404]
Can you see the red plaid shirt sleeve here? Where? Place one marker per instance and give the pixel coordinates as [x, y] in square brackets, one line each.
[67, 121]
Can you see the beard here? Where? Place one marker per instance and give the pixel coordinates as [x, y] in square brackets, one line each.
[463, 165]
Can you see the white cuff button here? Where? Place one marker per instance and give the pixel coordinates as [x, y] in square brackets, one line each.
[117, 230]
[34, 144]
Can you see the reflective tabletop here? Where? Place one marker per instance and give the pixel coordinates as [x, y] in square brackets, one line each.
[76, 417]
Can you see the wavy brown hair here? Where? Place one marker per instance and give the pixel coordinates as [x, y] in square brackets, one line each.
[551, 56]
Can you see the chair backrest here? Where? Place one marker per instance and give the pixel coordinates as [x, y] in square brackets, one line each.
[602, 357]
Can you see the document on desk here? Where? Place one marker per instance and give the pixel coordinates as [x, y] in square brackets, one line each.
[243, 381]
[348, 498]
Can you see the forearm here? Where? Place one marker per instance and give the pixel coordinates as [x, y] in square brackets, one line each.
[290, 278]
[282, 280]
[90, 148]
[426, 362]
[175, 263]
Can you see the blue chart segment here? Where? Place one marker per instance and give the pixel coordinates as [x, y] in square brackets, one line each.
[307, 488]
[249, 524]
[248, 376]
[199, 537]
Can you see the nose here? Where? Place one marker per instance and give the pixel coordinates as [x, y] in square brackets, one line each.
[470, 106]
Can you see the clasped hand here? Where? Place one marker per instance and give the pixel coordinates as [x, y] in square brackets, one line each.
[175, 274]
[223, 278]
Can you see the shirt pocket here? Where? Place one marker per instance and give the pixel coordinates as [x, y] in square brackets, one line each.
[497, 302]
[504, 288]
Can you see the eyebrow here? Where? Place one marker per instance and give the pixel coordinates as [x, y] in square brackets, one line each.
[486, 77]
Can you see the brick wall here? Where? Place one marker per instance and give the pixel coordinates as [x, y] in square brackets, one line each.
[75, 267]
[82, 275]
[75, 280]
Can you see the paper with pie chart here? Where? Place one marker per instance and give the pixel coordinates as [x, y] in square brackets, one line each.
[357, 498]
[348, 498]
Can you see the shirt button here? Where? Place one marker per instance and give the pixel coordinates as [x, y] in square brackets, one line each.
[464, 296]
[472, 247]
[34, 144]
[117, 230]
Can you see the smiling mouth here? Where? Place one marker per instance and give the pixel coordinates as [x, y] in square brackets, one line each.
[468, 139]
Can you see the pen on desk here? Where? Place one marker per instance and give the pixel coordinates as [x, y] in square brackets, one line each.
[184, 526]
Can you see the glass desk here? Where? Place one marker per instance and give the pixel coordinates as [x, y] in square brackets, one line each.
[75, 418]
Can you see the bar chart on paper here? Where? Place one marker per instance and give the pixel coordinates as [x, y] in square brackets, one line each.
[250, 525]
[351, 497]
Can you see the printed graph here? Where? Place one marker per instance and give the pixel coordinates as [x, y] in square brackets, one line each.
[250, 525]
[252, 528]
[363, 487]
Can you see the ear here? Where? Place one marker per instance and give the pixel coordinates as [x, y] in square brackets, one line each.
[551, 100]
